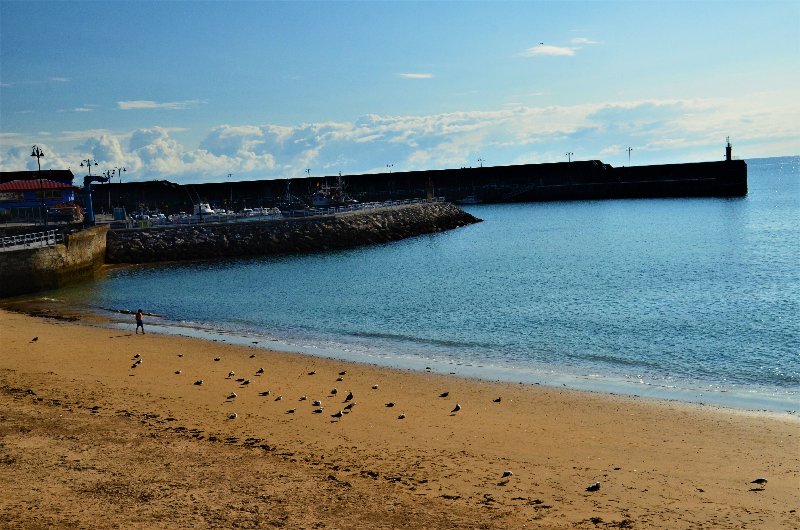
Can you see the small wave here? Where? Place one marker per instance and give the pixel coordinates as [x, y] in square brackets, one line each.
[422, 340]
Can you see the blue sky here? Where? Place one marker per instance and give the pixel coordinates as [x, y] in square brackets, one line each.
[192, 91]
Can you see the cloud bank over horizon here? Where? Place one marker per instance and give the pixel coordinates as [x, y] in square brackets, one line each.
[659, 130]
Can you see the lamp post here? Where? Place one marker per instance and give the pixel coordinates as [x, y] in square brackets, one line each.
[231, 190]
[481, 161]
[629, 149]
[118, 171]
[88, 162]
[389, 167]
[569, 156]
[38, 153]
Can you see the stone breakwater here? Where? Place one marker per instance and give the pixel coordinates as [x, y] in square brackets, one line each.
[283, 236]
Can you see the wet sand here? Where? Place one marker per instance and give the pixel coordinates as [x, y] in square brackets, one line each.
[88, 440]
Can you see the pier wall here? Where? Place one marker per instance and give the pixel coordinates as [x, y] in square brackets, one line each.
[282, 236]
[577, 180]
[30, 270]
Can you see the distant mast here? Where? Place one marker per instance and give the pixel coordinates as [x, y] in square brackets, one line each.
[728, 149]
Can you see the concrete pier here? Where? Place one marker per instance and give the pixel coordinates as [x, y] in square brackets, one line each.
[28, 270]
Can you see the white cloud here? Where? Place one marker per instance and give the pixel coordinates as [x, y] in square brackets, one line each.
[583, 41]
[415, 76]
[547, 50]
[168, 105]
[672, 129]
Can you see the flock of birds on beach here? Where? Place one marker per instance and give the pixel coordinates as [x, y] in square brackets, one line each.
[349, 404]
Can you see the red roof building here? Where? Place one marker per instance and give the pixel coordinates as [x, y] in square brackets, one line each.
[60, 175]
[27, 200]
[34, 185]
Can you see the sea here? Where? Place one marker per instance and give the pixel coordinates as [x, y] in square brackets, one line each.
[688, 299]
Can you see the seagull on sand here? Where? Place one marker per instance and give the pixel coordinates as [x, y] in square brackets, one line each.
[350, 406]
[402, 416]
[231, 373]
[343, 372]
[334, 391]
[444, 394]
[260, 371]
[232, 395]
[338, 379]
[135, 356]
[303, 397]
[349, 396]
[177, 372]
[761, 481]
[278, 398]
[317, 403]
[34, 339]
[312, 372]
[290, 411]
[456, 408]
[253, 356]
[374, 387]
[498, 400]
[390, 404]
[246, 382]
[507, 474]
[337, 415]
[593, 487]
[216, 358]
[265, 393]
[233, 416]
[317, 411]
[199, 382]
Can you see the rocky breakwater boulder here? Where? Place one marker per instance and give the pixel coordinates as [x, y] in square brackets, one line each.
[283, 236]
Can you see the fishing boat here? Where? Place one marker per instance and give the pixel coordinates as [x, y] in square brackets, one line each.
[331, 195]
[290, 203]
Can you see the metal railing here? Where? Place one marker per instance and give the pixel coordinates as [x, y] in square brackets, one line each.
[35, 240]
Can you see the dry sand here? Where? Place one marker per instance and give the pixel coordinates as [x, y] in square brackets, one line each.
[88, 441]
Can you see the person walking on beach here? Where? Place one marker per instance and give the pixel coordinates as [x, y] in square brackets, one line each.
[139, 323]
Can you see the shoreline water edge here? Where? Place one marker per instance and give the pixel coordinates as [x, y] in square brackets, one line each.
[736, 398]
[746, 399]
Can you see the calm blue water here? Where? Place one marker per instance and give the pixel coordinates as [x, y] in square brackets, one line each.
[696, 299]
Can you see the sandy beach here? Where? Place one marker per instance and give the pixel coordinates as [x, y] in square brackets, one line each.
[92, 438]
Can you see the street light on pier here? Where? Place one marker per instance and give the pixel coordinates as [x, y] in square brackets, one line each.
[230, 186]
[38, 153]
[629, 149]
[118, 171]
[569, 156]
[88, 164]
[481, 161]
[389, 167]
